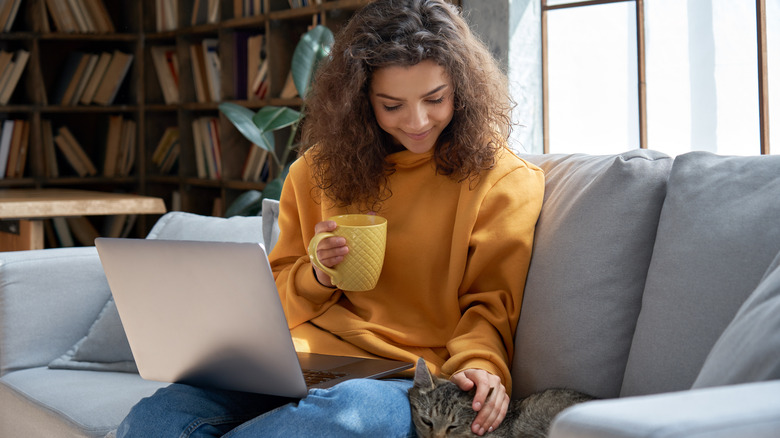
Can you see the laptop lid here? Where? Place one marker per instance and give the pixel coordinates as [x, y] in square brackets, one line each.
[209, 314]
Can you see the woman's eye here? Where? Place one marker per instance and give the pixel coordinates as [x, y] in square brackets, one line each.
[437, 101]
[391, 108]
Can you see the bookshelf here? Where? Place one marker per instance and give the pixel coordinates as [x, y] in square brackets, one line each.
[143, 133]
[121, 131]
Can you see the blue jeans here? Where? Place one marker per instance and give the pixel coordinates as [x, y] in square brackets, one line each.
[355, 408]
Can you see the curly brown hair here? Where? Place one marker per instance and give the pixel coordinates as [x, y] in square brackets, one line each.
[343, 142]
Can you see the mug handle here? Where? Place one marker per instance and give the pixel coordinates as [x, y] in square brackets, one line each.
[315, 241]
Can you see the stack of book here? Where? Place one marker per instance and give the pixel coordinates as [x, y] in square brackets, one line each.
[166, 64]
[14, 142]
[166, 154]
[92, 78]
[79, 16]
[11, 67]
[206, 70]
[8, 10]
[208, 156]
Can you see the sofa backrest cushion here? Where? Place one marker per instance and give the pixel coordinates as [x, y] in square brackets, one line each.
[48, 300]
[719, 231]
[177, 225]
[749, 348]
[593, 243]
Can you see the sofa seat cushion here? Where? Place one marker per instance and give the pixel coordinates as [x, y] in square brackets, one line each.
[592, 246]
[67, 403]
[719, 231]
[749, 348]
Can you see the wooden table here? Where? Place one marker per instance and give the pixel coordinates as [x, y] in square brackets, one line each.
[22, 211]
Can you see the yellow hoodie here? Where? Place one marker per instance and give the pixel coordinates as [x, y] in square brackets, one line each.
[454, 272]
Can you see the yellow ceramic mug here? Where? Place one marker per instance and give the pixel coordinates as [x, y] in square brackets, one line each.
[361, 267]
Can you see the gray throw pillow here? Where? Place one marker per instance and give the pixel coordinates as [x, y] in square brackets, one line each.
[593, 242]
[104, 348]
[747, 351]
[270, 223]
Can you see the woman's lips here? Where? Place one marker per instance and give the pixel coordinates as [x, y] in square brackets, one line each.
[418, 137]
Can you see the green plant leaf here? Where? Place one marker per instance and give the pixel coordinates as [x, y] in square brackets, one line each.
[271, 118]
[311, 49]
[242, 119]
[248, 203]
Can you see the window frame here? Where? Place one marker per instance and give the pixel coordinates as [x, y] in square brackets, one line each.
[763, 81]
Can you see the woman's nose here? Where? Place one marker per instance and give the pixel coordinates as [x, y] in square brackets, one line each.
[418, 118]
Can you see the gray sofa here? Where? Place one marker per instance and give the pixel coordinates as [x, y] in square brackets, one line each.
[654, 285]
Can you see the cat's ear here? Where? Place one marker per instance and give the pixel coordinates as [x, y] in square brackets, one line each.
[422, 376]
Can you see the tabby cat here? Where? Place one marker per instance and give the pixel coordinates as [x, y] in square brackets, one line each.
[441, 409]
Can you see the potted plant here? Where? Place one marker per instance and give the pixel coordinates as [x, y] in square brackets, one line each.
[258, 127]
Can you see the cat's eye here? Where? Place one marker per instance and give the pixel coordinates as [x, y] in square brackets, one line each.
[427, 422]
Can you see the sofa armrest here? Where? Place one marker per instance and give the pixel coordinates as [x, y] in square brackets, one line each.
[48, 300]
[749, 410]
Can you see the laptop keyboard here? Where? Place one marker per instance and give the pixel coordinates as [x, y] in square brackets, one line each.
[314, 377]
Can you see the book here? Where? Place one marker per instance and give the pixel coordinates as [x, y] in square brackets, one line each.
[83, 25]
[19, 63]
[83, 230]
[168, 138]
[97, 76]
[6, 66]
[74, 153]
[113, 141]
[51, 169]
[127, 148]
[100, 16]
[112, 79]
[62, 230]
[8, 14]
[199, 73]
[18, 136]
[254, 163]
[254, 58]
[197, 139]
[69, 71]
[166, 66]
[200, 12]
[212, 68]
[21, 161]
[92, 60]
[6, 137]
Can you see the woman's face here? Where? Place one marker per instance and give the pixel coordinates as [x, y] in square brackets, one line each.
[413, 104]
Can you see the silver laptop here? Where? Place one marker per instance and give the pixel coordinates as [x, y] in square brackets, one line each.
[208, 314]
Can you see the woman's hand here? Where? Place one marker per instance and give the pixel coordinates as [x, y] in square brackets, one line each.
[330, 251]
[490, 400]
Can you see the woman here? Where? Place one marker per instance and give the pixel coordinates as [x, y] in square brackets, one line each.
[408, 120]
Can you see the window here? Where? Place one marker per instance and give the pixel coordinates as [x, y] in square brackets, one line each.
[669, 75]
